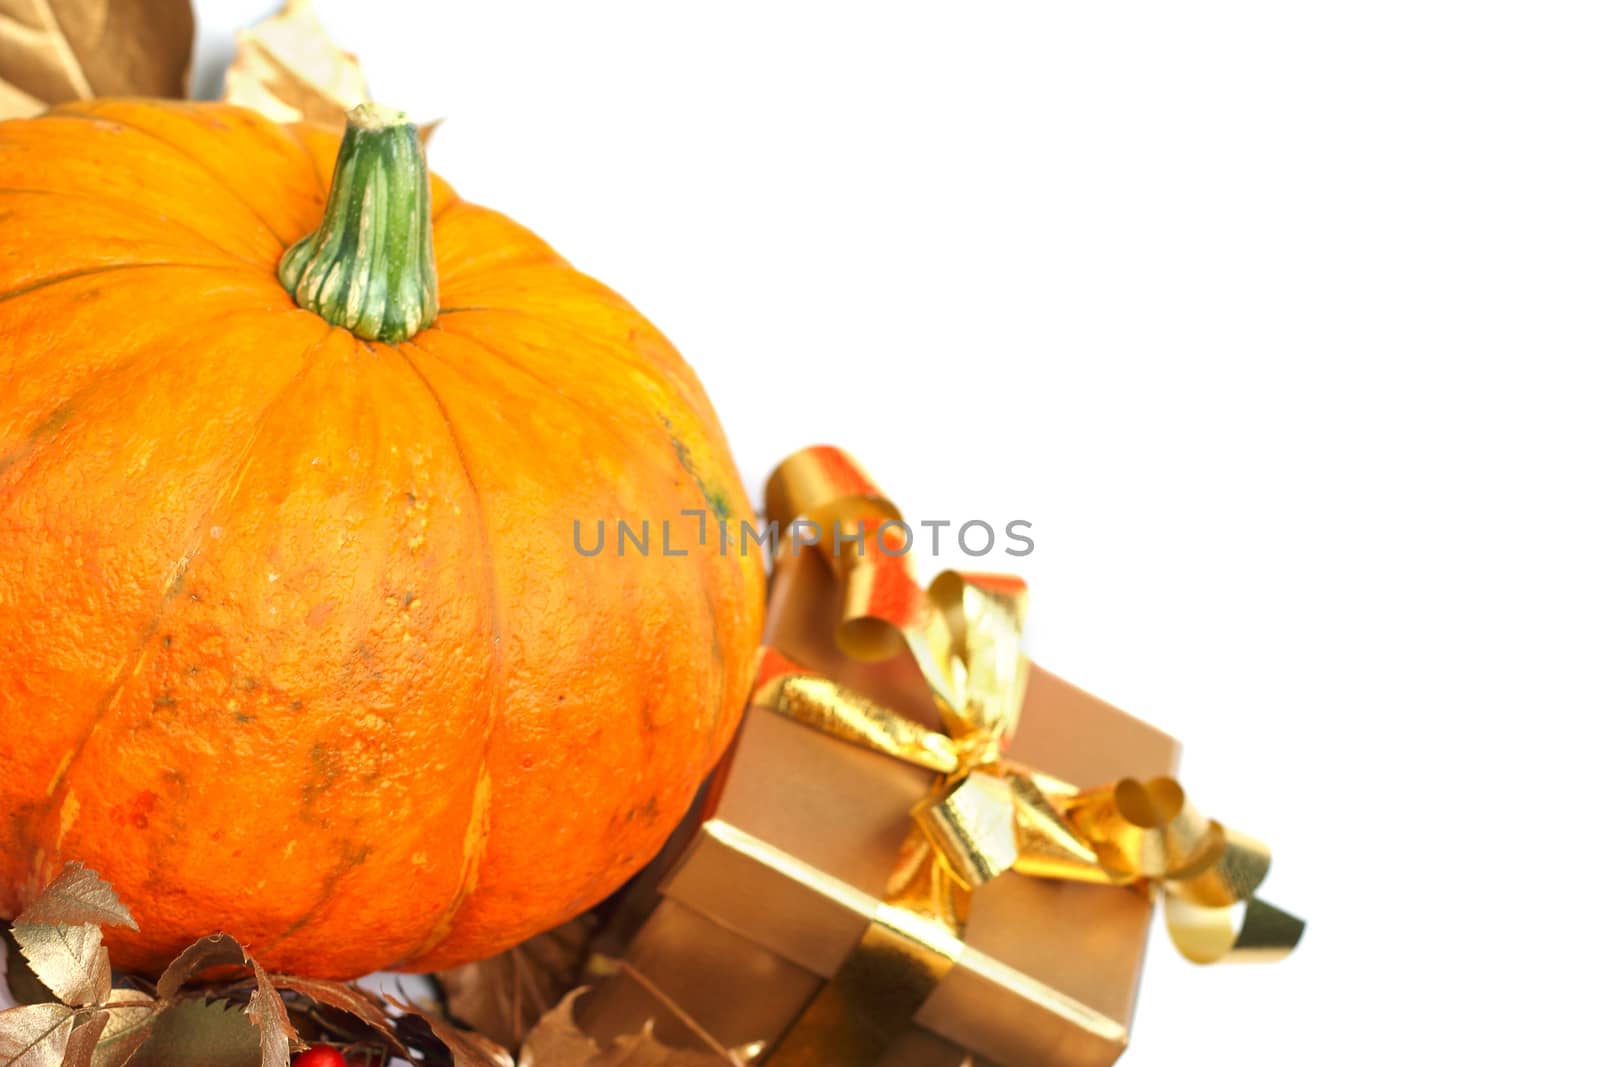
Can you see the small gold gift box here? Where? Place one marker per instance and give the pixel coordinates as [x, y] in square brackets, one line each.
[1009, 926]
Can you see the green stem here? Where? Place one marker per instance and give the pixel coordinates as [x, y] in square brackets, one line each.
[369, 266]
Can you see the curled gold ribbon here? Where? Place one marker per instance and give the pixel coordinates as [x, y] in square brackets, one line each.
[982, 815]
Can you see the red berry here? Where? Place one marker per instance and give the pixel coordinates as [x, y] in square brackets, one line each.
[320, 1056]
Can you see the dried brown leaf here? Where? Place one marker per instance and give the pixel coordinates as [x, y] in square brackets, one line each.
[468, 1048]
[347, 998]
[557, 1041]
[85, 1036]
[78, 895]
[275, 1034]
[503, 996]
[266, 1010]
[69, 960]
[34, 1035]
[130, 1020]
[218, 950]
[56, 50]
[288, 69]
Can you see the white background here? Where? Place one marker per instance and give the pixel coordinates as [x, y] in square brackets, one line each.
[1279, 323]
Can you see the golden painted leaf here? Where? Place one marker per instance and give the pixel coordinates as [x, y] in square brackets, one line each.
[288, 69]
[85, 1036]
[23, 985]
[69, 960]
[504, 995]
[130, 1020]
[56, 50]
[275, 1034]
[34, 1035]
[78, 895]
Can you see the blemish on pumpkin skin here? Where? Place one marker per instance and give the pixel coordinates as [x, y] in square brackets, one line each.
[47, 427]
[138, 813]
[325, 771]
[715, 498]
[646, 811]
[350, 858]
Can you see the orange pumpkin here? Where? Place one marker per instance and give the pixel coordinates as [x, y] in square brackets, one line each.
[295, 641]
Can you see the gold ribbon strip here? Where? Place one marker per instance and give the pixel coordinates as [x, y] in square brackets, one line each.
[982, 815]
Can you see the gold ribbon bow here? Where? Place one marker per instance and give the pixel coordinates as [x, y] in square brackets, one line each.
[982, 815]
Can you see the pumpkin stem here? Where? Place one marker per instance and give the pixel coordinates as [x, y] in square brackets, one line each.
[369, 266]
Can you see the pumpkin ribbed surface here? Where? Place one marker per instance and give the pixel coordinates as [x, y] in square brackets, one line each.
[294, 639]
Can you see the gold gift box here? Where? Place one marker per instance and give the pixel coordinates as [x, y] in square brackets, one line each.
[800, 835]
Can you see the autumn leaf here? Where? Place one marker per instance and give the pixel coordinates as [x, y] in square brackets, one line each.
[34, 1035]
[69, 960]
[288, 69]
[468, 1049]
[57, 50]
[347, 998]
[218, 950]
[23, 985]
[504, 995]
[557, 1041]
[277, 1037]
[78, 895]
[131, 1017]
[85, 1036]
[266, 1010]
[59, 934]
